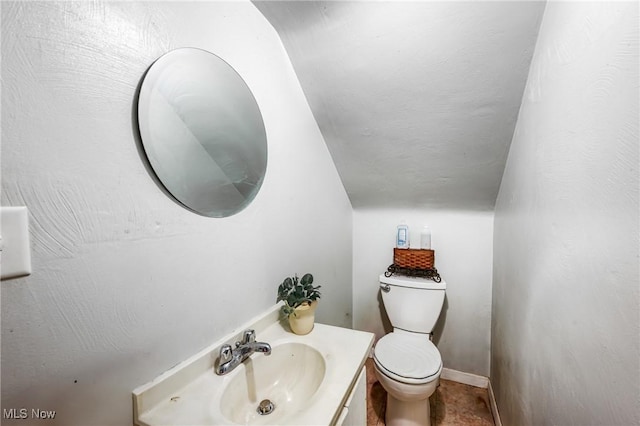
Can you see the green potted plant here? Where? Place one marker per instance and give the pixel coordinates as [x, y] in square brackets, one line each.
[300, 299]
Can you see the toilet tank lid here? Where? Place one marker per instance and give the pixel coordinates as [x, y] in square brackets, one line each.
[413, 282]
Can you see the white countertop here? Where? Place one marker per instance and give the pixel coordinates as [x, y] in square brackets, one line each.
[188, 394]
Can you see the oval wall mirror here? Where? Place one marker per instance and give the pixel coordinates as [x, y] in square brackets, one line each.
[202, 132]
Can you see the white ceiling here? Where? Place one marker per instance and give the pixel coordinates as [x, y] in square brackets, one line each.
[417, 101]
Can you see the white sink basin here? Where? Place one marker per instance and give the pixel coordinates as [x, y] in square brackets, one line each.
[288, 378]
[308, 379]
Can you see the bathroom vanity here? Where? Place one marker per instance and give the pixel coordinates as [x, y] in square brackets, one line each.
[315, 379]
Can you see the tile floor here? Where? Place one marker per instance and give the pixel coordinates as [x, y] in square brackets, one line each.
[452, 404]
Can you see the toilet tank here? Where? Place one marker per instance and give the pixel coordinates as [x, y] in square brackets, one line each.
[412, 303]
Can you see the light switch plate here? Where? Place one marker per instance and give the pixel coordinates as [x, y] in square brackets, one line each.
[15, 251]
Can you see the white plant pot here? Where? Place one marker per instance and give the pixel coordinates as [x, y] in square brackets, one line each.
[303, 318]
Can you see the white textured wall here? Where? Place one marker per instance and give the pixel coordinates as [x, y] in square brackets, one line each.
[125, 282]
[565, 321]
[462, 241]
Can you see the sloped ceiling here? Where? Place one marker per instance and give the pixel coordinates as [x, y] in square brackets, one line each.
[417, 101]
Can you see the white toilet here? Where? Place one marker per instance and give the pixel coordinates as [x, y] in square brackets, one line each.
[407, 363]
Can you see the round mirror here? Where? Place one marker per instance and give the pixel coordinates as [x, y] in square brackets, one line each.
[202, 132]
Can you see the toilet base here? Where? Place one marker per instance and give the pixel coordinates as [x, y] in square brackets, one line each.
[407, 413]
[407, 404]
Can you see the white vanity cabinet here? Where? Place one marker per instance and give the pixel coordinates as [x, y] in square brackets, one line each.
[354, 412]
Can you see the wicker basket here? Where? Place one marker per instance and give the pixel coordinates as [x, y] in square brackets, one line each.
[414, 258]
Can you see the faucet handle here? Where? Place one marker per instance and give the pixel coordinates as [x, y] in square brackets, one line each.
[248, 336]
[225, 353]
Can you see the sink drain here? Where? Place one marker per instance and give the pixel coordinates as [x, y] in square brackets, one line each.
[265, 407]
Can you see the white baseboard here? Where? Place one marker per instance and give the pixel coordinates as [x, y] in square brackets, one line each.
[465, 378]
[494, 406]
[477, 381]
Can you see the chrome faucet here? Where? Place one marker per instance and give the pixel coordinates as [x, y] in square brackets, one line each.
[230, 358]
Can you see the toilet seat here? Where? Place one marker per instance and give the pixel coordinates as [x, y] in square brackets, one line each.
[408, 358]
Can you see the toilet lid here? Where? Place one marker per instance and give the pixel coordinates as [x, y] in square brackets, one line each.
[408, 358]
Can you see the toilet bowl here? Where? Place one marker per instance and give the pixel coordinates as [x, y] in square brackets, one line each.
[407, 363]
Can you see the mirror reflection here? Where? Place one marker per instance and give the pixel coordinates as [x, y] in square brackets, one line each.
[202, 132]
